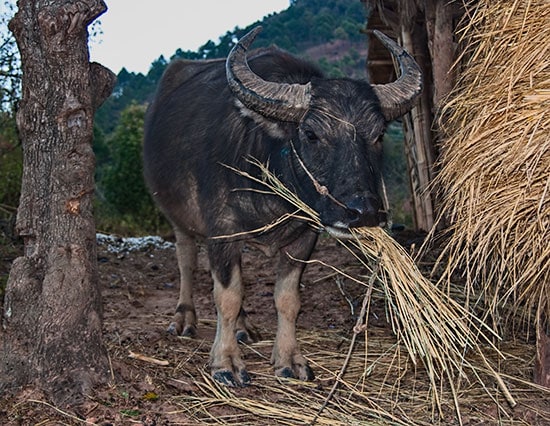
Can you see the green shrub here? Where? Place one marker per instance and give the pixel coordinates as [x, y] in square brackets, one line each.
[124, 205]
[11, 166]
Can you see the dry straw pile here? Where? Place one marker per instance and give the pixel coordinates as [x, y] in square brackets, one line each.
[495, 175]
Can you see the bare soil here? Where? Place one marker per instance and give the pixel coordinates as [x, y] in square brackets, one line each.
[160, 379]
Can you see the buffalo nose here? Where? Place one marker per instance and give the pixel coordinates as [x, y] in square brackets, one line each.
[365, 211]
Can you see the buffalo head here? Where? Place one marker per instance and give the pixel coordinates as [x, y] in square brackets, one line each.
[333, 129]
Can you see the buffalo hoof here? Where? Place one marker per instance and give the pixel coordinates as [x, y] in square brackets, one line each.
[300, 372]
[227, 378]
[189, 331]
[177, 330]
[174, 329]
[247, 336]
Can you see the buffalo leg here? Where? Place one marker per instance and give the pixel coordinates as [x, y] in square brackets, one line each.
[226, 363]
[287, 359]
[185, 319]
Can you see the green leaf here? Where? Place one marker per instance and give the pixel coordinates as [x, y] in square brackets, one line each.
[130, 413]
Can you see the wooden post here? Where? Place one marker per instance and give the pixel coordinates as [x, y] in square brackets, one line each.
[418, 130]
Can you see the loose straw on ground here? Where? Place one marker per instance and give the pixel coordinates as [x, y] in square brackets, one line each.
[359, 328]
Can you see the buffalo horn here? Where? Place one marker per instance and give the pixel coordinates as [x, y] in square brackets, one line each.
[281, 101]
[398, 97]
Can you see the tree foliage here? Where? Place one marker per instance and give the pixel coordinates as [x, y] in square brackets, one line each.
[11, 162]
[120, 177]
[122, 180]
[10, 64]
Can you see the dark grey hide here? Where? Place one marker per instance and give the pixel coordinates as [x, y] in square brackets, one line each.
[310, 130]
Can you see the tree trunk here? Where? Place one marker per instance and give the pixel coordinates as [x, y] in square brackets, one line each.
[51, 334]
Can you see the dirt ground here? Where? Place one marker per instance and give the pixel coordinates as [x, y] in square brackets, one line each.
[160, 379]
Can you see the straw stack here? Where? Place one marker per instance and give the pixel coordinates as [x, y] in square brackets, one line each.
[495, 174]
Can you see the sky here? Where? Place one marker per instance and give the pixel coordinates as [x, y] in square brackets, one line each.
[135, 33]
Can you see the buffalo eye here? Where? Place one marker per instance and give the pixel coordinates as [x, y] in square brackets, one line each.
[311, 136]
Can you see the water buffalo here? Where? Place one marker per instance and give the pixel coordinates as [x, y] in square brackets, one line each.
[321, 137]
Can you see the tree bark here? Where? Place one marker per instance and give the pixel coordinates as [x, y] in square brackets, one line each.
[51, 334]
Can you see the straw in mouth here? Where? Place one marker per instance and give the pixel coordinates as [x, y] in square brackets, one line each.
[338, 231]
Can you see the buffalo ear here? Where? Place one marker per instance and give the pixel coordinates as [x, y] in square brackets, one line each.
[275, 129]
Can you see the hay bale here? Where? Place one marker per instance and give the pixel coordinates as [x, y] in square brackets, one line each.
[495, 164]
